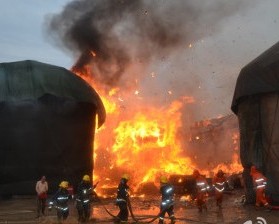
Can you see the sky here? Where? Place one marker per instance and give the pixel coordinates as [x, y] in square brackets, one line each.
[22, 32]
[207, 69]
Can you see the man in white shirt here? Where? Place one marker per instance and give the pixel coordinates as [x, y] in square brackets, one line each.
[41, 189]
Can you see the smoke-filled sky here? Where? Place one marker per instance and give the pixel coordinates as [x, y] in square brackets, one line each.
[193, 47]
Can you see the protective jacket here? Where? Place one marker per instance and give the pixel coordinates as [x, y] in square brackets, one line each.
[259, 181]
[202, 188]
[84, 193]
[122, 191]
[219, 183]
[60, 202]
[167, 192]
[167, 203]
[84, 197]
[121, 200]
[202, 185]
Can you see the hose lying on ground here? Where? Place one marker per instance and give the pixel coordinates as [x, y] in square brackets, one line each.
[130, 209]
[139, 219]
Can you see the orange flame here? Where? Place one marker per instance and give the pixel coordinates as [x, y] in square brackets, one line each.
[143, 140]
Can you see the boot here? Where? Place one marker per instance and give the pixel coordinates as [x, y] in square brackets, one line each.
[257, 207]
[268, 208]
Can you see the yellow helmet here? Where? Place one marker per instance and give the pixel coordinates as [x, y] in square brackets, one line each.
[126, 176]
[64, 184]
[86, 178]
[164, 179]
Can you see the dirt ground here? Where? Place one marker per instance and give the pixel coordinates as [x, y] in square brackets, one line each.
[23, 210]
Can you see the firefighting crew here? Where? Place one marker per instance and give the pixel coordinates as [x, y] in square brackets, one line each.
[60, 201]
[167, 203]
[85, 193]
[201, 189]
[259, 181]
[122, 198]
[41, 189]
[219, 184]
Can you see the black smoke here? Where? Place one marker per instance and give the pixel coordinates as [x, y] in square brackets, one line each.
[121, 32]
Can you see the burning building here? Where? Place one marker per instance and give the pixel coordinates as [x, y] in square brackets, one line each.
[255, 103]
[47, 120]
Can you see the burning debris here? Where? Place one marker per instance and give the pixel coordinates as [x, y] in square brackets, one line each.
[218, 140]
[115, 43]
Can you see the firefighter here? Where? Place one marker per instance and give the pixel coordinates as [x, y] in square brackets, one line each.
[201, 190]
[167, 203]
[219, 184]
[85, 193]
[60, 201]
[259, 181]
[122, 198]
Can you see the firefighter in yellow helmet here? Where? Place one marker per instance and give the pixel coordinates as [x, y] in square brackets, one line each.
[85, 194]
[122, 198]
[167, 203]
[60, 201]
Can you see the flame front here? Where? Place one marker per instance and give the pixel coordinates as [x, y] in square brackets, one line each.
[146, 144]
[142, 140]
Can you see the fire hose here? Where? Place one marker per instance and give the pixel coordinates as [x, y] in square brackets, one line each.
[116, 217]
[131, 212]
[139, 219]
[143, 218]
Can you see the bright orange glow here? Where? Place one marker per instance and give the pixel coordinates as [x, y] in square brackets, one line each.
[143, 140]
[235, 166]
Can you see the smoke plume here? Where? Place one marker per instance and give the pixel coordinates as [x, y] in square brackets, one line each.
[111, 35]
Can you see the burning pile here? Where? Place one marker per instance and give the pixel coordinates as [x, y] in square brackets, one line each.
[116, 43]
[139, 139]
[144, 141]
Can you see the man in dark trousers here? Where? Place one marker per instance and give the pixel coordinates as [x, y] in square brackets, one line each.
[122, 198]
[167, 191]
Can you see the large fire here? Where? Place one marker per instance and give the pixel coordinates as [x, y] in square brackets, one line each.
[142, 140]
